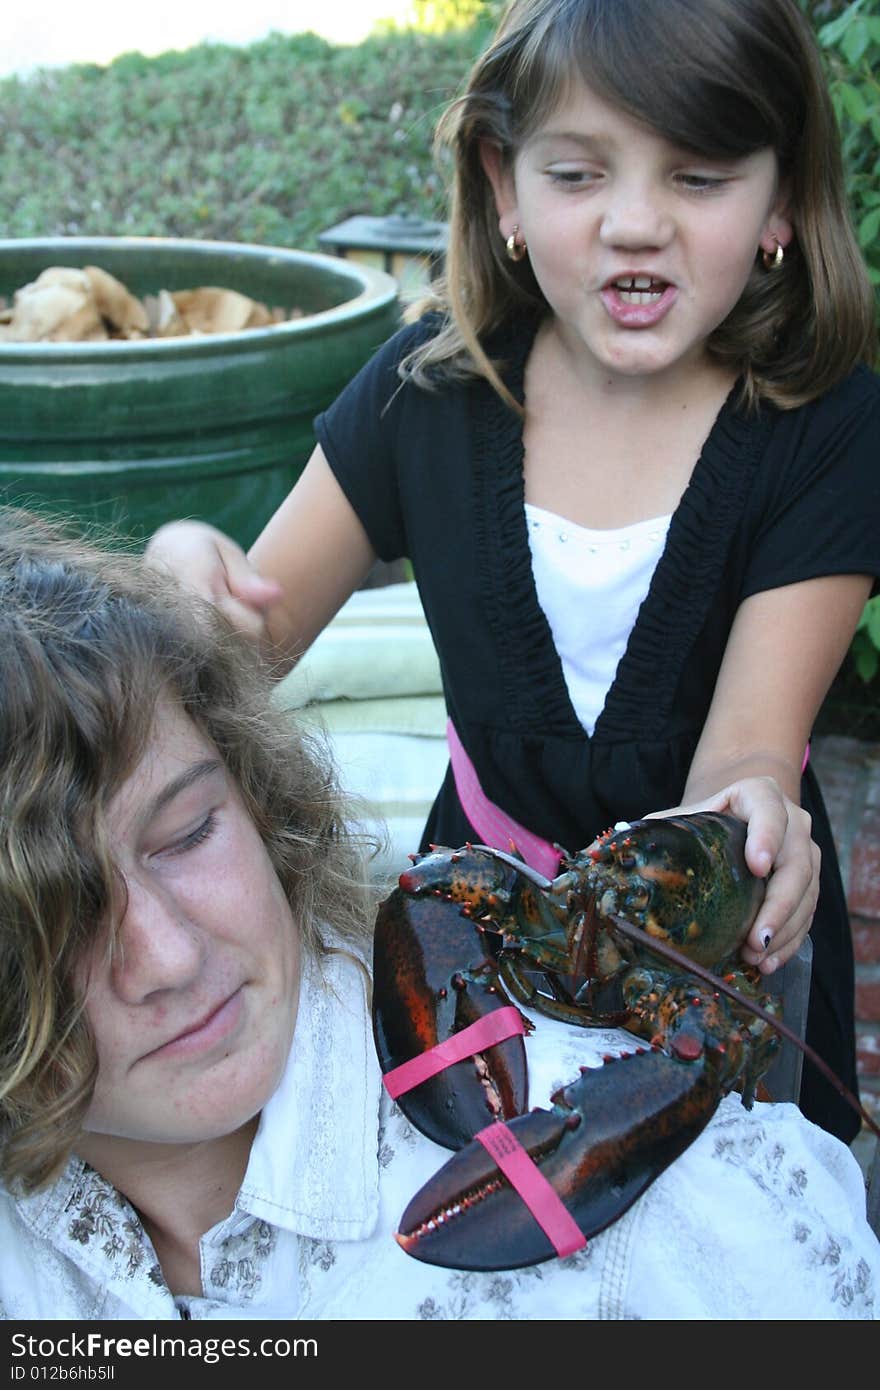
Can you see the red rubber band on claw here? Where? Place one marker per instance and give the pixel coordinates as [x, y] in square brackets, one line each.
[490, 1029]
[546, 1207]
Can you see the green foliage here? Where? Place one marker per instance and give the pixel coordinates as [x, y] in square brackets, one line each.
[271, 143]
[851, 45]
[439, 16]
[849, 35]
[865, 652]
[851, 42]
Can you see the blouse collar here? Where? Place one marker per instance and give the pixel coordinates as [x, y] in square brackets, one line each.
[314, 1164]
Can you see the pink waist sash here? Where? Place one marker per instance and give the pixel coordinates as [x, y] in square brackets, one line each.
[494, 826]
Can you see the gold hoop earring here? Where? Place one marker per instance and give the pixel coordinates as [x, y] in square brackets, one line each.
[515, 249]
[773, 259]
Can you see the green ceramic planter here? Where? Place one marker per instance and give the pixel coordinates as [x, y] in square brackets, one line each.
[217, 427]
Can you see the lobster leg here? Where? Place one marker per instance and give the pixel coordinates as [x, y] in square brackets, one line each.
[609, 1135]
[556, 1002]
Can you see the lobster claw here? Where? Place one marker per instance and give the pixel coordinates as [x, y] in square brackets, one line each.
[610, 1134]
[431, 980]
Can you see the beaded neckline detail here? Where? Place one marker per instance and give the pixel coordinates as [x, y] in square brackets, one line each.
[620, 537]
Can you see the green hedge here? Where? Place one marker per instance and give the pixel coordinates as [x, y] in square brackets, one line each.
[271, 143]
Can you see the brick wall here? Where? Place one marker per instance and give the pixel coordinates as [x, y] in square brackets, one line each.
[849, 772]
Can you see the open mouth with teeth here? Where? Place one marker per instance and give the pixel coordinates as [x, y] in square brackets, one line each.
[638, 289]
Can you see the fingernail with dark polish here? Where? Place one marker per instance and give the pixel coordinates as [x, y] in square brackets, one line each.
[766, 938]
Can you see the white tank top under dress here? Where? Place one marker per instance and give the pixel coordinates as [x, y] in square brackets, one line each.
[591, 585]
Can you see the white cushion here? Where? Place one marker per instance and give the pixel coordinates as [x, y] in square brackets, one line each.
[378, 645]
[372, 682]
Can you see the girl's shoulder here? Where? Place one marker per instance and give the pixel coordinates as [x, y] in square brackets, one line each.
[817, 457]
[386, 368]
[858, 392]
[844, 419]
[415, 333]
[376, 388]
[861, 385]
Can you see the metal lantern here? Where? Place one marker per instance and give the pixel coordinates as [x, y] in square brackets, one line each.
[408, 247]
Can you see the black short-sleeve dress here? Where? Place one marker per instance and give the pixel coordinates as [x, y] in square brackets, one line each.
[775, 497]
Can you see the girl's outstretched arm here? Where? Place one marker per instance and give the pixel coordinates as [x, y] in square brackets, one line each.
[317, 551]
[783, 652]
[310, 557]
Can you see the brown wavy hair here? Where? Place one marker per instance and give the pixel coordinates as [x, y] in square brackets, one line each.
[90, 640]
[723, 78]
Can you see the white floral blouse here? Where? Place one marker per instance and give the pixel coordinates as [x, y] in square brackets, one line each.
[763, 1217]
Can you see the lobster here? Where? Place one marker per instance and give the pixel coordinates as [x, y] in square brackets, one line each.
[623, 935]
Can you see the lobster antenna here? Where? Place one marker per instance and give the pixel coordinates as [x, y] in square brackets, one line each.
[661, 948]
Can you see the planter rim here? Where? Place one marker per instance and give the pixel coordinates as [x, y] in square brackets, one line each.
[372, 289]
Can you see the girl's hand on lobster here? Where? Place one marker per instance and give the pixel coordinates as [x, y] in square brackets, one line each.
[216, 567]
[779, 848]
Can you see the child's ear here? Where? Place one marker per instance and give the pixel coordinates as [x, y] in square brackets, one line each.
[779, 227]
[779, 231]
[500, 175]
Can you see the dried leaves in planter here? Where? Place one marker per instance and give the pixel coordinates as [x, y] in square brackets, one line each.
[69, 305]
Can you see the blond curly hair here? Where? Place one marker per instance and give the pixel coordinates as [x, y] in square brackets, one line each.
[90, 640]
